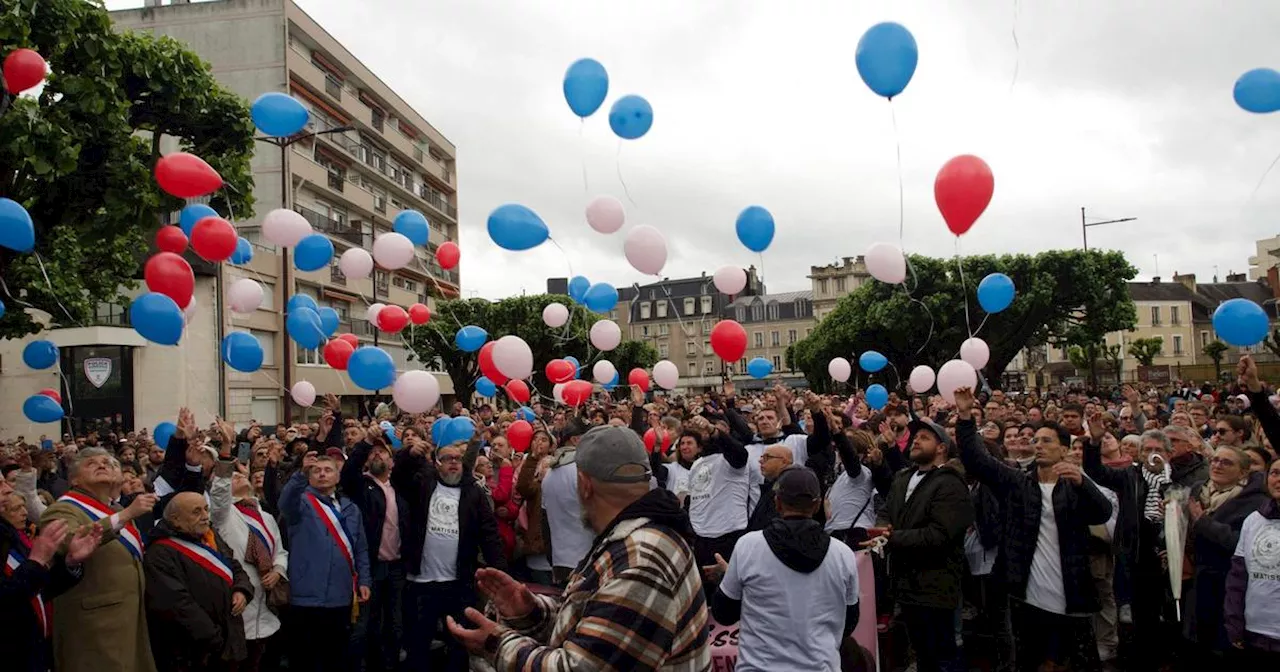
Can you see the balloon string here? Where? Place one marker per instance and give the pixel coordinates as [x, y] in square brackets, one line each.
[1017, 49]
[897, 141]
[52, 293]
[964, 289]
[617, 162]
[1262, 179]
[582, 153]
[916, 281]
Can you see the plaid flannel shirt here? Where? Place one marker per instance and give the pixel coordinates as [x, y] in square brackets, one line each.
[638, 605]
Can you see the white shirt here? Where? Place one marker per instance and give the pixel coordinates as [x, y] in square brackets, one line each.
[1044, 586]
[1259, 545]
[847, 498]
[798, 443]
[719, 496]
[677, 479]
[790, 620]
[440, 547]
[911, 484]
[259, 621]
[570, 539]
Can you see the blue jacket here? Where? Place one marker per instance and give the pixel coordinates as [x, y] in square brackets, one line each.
[319, 575]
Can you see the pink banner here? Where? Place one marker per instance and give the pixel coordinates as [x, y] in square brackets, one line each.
[724, 640]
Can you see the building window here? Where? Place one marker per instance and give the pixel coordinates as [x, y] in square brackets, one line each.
[1155, 316]
[773, 338]
[305, 356]
[757, 311]
[759, 339]
[742, 364]
[706, 348]
[693, 369]
[840, 285]
[662, 350]
[688, 306]
[644, 330]
[740, 314]
[690, 349]
[1174, 317]
[1177, 342]
[706, 305]
[773, 310]
[1204, 339]
[800, 308]
[644, 310]
[268, 342]
[791, 336]
[822, 287]
[664, 329]
[661, 309]
[808, 332]
[777, 363]
[709, 367]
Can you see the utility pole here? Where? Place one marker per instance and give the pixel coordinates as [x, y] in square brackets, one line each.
[1085, 224]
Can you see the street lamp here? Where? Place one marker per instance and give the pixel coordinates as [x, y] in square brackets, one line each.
[1084, 226]
[286, 281]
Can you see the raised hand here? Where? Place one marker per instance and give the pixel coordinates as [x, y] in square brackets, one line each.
[964, 402]
[1096, 427]
[308, 461]
[326, 424]
[1247, 369]
[186, 425]
[46, 544]
[511, 598]
[83, 544]
[1068, 472]
[228, 433]
[331, 402]
[141, 505]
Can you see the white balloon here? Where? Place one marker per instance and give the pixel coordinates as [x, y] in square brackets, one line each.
[840, 369]
[975, 351]
[557, 392]
[189, 312]
[646, 249]
[555, 315]
[666, 374]
[356, 263]
[921, 379]
[244, 296]
[886, 263]
[285, 227]
[416, 391]
[604, 371]
[954, 375]
[605, 214]
[371, 313]
[605, 335]
[513, 357]
[303, 393]
[392, 250]
[730, 279]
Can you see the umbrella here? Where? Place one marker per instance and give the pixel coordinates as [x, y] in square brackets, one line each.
[1175, 533]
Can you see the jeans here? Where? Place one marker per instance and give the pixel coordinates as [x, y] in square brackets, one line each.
[1103, 567]
[320, 637]
[425, 608]
[1048, 641]
[933, 636]
[375, 643]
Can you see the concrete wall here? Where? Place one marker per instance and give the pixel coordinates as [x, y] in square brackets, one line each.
[17, 382]
[167, 378]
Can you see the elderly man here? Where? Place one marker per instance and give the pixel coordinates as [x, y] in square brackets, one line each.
[196, 591]
[773, 461]
[1188, 466]
[635, 602]
[101, 623]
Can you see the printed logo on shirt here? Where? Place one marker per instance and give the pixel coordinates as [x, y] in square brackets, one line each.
[1266, 548]
[682, 483]
[700, 481]
[443, 519]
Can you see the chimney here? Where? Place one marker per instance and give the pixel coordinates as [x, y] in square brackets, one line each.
[1188, 280]
[1236, 277]
[1155, 279]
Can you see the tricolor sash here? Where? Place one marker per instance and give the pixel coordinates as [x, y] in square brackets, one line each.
[201, 555]
[329, 516]
[128, 535]
[253, 518]
[11, 565]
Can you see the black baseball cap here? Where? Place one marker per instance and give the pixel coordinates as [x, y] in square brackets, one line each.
[798, 486]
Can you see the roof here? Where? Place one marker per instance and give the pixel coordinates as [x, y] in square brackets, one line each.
[1160, 291]
[1207, 296]
[784, 297]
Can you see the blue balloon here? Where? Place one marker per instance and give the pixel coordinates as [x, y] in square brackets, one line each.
[886, 58]
[2, 309]
[301, 301]
[412, 225]
[303, 325]
[460, 428]
[578, 287]
[485, 387]
[608, 387]
[371, 368]
[243, 253]
[577, 367]
[877, 396]
[278, 115]
[755, 228]
[39, 408]
[156, 318]
[995, 292]
[438, 429]
[759, 367]
[242, 351]
[40, 354]
[1258, 91]
[313, 252]
[163, 432]
[525, 413]
[1241, 322]
[389, 431]
[585, 86]
[872, 361]
[329, 320]
[193, 213]
[600, 297]
[630, 117]
[17, 232]
[470, 338]
[516, 228]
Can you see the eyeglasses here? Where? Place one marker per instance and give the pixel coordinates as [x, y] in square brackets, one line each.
[1223, 462]
[449, 459]
[766, 458]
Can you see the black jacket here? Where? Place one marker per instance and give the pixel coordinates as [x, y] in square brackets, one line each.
[23, 646]
[369, 498]
[1192, 471]
[1213, 541]
[1131, 491]
[926, 547]
[1075, 508]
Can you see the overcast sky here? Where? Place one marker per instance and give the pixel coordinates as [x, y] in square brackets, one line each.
[1121, 106]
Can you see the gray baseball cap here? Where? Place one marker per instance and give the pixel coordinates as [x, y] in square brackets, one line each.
[613, 455]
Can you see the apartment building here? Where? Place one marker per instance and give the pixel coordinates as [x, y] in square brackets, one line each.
[365, 156]
[1266, 256]
[833, 281]
[773, 322]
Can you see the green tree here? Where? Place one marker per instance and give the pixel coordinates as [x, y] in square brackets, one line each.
[522, 316]
[1085, 358]
[1063, 297]
[80, 158]
[1114, 356]
[1272, 341]
[1145, 350]
[1214, 350]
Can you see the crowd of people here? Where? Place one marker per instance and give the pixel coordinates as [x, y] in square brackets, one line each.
[1007, 531]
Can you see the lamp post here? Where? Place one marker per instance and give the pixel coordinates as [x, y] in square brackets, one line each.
[286, 280]
[1085, 224]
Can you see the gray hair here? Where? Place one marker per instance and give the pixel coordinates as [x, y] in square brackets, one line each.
[1132, 439]
[74, 470]
[1186, 433]
[1160, 435]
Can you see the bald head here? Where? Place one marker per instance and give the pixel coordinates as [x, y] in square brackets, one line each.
[188, 513]
[774, 459]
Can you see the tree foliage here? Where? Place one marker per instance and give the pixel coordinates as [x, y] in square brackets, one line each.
[522, 316]
[80, 157]
[1063, 298]
[1145, 350]
[1214, 350]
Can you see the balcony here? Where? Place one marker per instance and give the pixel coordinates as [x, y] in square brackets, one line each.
[336, 181]
[336, 276]
[436, 200]
[322, 223]
[362, 328]
[381, 284]
[333, 87]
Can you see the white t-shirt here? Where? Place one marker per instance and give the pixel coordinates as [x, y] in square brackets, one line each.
[719, 496]
[798, 443]
[570, 539]
[440, 547]
[1259, 545]
[912, 483]
[847, 497]
[1044, 586]
[790, 620]
[677, 478]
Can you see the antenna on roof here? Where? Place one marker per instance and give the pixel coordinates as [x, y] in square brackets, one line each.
[1157, 258]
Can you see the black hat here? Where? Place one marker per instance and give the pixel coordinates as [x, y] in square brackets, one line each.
[798, 486]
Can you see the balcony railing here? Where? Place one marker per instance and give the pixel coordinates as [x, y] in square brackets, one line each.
[361, 328]
[336, 182]
[336, 276]
[322, 223]
[381, 284]
[404, 178]
[333, 87]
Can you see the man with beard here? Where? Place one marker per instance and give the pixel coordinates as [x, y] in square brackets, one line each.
[448, 525]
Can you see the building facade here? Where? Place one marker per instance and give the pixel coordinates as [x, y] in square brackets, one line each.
[834, 281]
[1266, 256]
[773, 323]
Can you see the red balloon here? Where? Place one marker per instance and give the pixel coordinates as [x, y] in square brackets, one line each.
[171, 239]
[729, 340]
[52, 394]
[23, 69]
[419, 314]
[337, 351]
[186, 176]
[448, 254]
[518, 390]
[651, 439]
[520, 435]
[640, 378]
[963, 190]
[576, 392]
[560, 371]
[350, 338]
[392, 319]
[487, 367]
[170, 274]
[214, 239]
